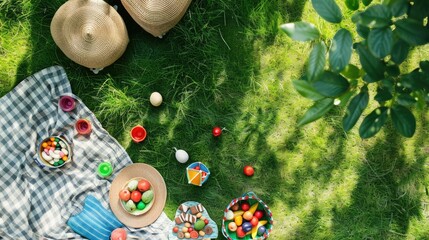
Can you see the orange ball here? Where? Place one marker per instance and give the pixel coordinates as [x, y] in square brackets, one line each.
[44, 145]
[65, 158]
[52, 139]
[248, 215]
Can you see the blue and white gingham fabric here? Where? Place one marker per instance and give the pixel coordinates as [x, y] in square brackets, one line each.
[36, 203]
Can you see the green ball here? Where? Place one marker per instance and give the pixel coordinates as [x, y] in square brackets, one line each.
[141, 205]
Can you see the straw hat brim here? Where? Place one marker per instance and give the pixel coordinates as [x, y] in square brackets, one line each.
[89, 32]
[159, 188]
[156, 16]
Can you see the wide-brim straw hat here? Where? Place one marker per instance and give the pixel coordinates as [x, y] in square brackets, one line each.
[89, 32]
[156, 16]
[138, 170]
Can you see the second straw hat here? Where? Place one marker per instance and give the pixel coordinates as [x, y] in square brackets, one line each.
[89, 32]
[156, 16]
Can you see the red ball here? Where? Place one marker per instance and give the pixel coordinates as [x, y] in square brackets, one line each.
[217, 131]
[190, 229]
[245, 206]
[248, 171]
[259, 214]
[136, 196]
[175, 229]
[254, 221]
[206, 221]
[240, 232]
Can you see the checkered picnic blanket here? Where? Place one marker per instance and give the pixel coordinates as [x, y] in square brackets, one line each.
[36, 203]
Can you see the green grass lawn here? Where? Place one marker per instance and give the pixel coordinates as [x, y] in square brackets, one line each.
[228, 64]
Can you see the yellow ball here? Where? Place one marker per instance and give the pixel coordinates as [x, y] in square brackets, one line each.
[155, 99]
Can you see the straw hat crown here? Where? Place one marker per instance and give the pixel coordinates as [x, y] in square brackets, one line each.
[89, 32]
[156, 16]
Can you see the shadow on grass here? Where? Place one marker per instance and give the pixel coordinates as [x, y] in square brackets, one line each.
[204, 68]
[387, 195]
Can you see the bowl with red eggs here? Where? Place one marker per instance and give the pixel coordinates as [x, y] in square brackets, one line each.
[137, 196]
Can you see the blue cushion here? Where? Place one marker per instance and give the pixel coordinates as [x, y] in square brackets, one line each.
[94, 222]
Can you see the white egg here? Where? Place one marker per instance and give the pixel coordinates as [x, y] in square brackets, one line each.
[229, 215]
[155, 99]
[182, 156]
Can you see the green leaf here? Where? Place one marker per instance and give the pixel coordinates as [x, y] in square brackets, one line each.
[376, 16]
[372, 123]
[405, 100]
[424, 66]
[388, 83]
[412, 31]
[316, 111]
[355, 109]
[403, 120]
[305, 89]
[352, 4]
[341, 50]
[397, 7]
[414, 81]
[393, 70]
[372, 65]
[362, 31]
[331, 84]
[400, 51]
[328, 10]
[301, 31]
[368, 79]
[383, 94]
[366, 2]
[344, 99]
[380, 41]
[419, 10]
[351, 72]
[316, 61]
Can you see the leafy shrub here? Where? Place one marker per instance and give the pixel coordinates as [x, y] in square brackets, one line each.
[388, 31]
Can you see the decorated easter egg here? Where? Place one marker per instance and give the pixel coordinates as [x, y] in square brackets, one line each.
[124, 195]
[147, 196]
[261, 230]
[155, 99]
[136, 196]
[182, 156]
[143, 185]
[132, 185]
[130, 206]
[247, 226]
